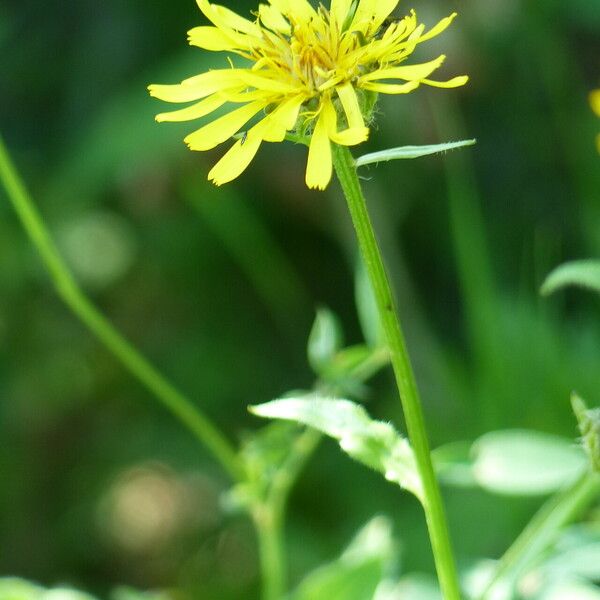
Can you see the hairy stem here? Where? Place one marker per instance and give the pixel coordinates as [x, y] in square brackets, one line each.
[179, 405]
[434, 510]
[542, 530]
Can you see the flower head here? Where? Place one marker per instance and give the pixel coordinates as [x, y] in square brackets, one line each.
[595, 102]
[315, 72]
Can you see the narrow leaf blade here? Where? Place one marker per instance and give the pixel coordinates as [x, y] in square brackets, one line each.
[581, 273]
[404, 152]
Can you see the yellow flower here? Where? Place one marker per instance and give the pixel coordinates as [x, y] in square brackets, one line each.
[595, 102]
[315, 72]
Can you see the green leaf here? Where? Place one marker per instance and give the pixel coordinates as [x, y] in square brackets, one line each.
[324, 341]
[409, 587]
[580, 273]
[358, 572]
[368, 313]
[570, 590]
[373, 443]
[521, 462]
[589, 426]
[410, 152]
[13, 588]
[127, 593]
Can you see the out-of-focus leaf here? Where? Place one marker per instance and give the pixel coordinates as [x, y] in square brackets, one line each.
[589, 425]
[576, 554]
[579, 273]
[454, 465]
[373, 443]
[126, 593]
[403, 152]
[324, 341]
[524, 462]
[12, 588]
[358, 572]
[409, 587]
[570, 590]
[366, 305]
[262, 454]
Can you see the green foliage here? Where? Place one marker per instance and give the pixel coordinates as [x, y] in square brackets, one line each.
[19, 589]
[324, 341]
[514, 462]
[589, 426]
[366, 305]
[373, 443]
[404, 152]
[358, 572]
[579, 273]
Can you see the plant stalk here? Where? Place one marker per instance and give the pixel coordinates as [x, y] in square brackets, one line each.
[413, 413]
[541, 531]
[174, 401]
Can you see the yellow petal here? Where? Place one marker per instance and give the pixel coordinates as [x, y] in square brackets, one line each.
[347, 137]
[224, 18]
[216, 40]
[178, 92]
[235, 161]
[439, 28]
[263, 82]
[349, 101]
[197, 87]
[407, 72]
[274, 126]
[370, 14]
[223, 128]
[391, 88]
[200, 109]
[319, 166]
[298, 10]
[273, 19]
[339, 11]
[452, 83]
[595, 101]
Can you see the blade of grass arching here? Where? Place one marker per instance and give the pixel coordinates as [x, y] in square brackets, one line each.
[542, 531]
[258, 254]
[67, 288]
[477, 281]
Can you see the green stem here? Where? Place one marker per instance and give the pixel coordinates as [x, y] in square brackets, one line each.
[434, 510]
[541, 531]
[179, 405]
[269, 516]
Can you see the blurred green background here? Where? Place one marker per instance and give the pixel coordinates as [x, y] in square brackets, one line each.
[98, 486]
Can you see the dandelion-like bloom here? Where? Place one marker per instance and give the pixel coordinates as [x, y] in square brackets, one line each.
[595, 102]
[314, 72]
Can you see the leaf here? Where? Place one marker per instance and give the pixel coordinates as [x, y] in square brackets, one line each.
[127, 593]
[581, 273]
[324, 340]
[570, 590]
[521, 462]
[409, 587]
[373, 443]
[358, 572]
[589, 426]
[410, 152]
[13, 588]
[368, 313]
